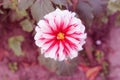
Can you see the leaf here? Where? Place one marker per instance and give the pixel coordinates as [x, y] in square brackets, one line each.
[13, 66]
[60, 2]
[40, 8]
[93, 72]
[1, 12]
[18, 15]
[85, 11]
[25, 4]
[7, 4]
[12, 4]
[98, 6]
[15, 45]
[89, 9]
[113, 6]
[105, 66]
[26, 25]
[99, 56]
[21, 14]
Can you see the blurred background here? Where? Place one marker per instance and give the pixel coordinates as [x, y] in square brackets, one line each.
[20, 58]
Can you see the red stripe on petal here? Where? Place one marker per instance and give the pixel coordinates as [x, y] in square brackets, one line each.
[41, 38]
[75, 35]
[71, 44]
[57, 54]
[66, 49]
[47, 21]
[51, 46]
[69, 28]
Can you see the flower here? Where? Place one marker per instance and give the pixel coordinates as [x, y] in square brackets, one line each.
[60, 35]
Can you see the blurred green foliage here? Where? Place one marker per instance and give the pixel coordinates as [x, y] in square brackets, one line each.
[15, 45]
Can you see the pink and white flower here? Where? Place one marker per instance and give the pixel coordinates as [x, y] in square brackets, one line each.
[60, 35]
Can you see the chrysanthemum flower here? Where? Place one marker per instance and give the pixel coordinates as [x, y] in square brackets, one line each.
[60, 35]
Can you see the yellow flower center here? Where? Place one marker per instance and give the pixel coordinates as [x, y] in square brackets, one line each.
[60, 36]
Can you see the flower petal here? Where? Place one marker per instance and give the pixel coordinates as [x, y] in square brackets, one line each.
[38, 43]
[73, 40]
[61, 52]
[43, 25]
[52, 52]
[73, 54]
[37, 36]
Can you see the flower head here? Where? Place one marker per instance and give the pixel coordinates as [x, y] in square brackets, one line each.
[60, 35]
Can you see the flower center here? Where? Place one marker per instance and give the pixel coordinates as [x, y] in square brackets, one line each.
[60, 36]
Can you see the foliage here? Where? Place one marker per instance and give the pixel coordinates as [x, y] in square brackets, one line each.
[15, 44]
[18, 52]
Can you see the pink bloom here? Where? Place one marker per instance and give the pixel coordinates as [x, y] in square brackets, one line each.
[60, 35]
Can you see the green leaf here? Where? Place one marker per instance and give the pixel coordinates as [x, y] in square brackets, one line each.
[105, 67]
[12, 4]
[26, 25]
[114, 6]
[13, 66]
[40, 8]
[15, 45]
[18, 15]
[21, 14]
